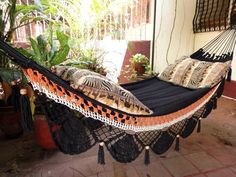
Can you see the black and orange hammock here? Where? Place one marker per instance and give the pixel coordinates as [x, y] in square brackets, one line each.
[176, 110]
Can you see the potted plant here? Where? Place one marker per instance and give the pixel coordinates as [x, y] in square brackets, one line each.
[10, 119]
[12, 17]
[139, 62]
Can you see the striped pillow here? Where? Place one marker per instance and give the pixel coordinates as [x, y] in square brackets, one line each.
[192, 73]
[102, 89]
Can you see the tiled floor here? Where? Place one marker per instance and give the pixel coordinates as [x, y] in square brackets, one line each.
[211, 153]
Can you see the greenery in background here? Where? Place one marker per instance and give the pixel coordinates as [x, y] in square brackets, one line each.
[10, 12]
[12, 17]
[48, 50]
[80, 18]
[68, 29]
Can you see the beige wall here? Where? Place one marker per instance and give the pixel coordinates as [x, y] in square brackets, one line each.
[174, 34]
[202, 38]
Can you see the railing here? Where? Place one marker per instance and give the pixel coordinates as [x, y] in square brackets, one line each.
[132, 22]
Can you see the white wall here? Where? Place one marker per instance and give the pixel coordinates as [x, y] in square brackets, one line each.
[174, 34]
[202, 38]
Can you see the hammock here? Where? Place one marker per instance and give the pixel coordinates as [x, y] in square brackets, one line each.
[177, 110]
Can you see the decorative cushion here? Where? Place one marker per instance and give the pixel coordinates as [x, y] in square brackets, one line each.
[192, 73]
[102, 89]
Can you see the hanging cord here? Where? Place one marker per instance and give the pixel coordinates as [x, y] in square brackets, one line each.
[231, 46]
[171, 34]
[213, 41]
[217, 44]
[227, 49]
[220, 49]
[182, 27]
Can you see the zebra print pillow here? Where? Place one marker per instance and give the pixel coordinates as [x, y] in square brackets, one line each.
[192, 73]
[102, 89]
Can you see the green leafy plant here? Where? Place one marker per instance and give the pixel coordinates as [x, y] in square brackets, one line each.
[10, 12]
[47, 50]
[90, 59]
[139, 58]
[12, 17]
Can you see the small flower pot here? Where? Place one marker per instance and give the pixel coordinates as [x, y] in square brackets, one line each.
[10, 122]
[139, 68]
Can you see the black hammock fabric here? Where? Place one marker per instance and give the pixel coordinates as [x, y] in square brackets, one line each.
[164, 97]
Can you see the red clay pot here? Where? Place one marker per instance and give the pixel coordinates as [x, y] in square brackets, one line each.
[42, 133]
[139, 68]
[10, 122]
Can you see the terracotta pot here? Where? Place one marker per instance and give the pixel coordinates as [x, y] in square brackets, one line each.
[43, 134]
[139, 68]
[10, 122]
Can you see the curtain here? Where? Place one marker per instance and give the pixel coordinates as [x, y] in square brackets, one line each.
[214, 15]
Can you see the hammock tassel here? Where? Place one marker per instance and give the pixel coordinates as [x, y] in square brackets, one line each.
[214, 103]
[15, 97]
[199, 125]
[147, 156]
[101, 158]
[229, 75]
[177, 143]
[26, 114]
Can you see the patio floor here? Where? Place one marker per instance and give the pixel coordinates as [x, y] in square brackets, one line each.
[211, 153]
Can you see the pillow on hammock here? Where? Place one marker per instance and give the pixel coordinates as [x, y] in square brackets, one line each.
[192, 73]
[102, 89]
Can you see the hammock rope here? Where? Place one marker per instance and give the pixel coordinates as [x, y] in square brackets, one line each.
[220, 49]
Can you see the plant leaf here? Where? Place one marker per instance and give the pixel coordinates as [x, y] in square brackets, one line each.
[27, 18]
[37, 54]
[25, 9]
[63, 38]
[60, 56]
[42, 46]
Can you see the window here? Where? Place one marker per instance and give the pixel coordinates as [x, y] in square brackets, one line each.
[214, 15]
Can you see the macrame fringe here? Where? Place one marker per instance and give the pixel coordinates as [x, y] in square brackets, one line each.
[101, 154]
[147, 156]
[229, 75]
[26, 114]
[94, 115]
[199, 125]
[177, 143]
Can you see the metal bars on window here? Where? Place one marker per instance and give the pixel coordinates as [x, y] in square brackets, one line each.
[213, 15]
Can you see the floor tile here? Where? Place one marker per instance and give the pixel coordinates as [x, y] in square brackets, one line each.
[203, 161]
[179, 166]
[226, 172]
[226, 156]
